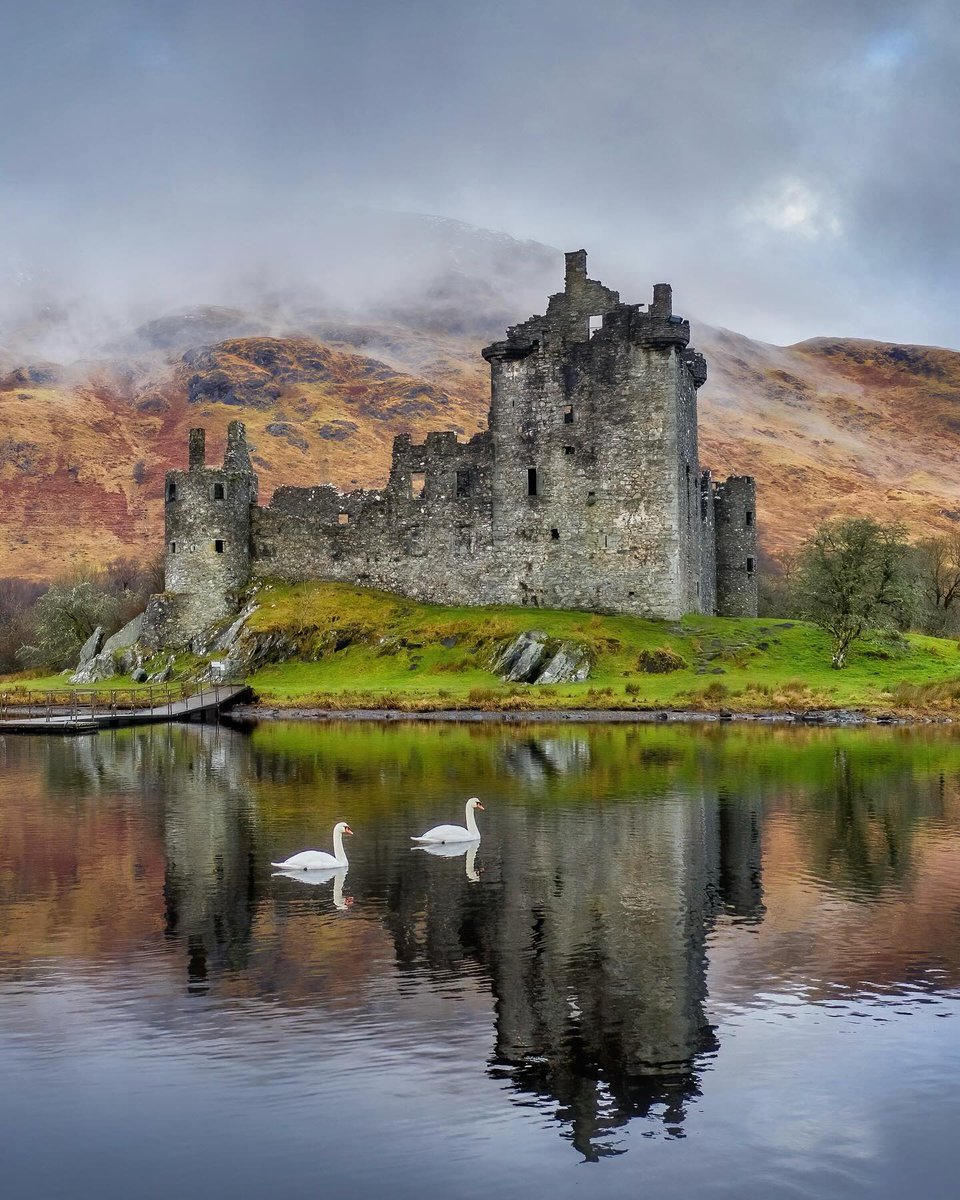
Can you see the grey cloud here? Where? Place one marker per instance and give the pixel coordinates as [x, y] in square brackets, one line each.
[790, 166]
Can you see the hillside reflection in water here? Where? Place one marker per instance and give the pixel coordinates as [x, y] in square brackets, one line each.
[661, 931]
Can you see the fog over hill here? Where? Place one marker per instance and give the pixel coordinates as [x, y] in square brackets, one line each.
[328, 371]
[425, 272]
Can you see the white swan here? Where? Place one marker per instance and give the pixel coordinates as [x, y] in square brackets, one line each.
[319, 860]
[455, 833]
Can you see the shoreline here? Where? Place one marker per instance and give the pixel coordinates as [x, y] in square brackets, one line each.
[251, 713]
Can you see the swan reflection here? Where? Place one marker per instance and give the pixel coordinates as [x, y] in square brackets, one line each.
[454, 850]
[314, 878]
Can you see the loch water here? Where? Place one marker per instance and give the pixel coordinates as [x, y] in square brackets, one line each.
[713, 961]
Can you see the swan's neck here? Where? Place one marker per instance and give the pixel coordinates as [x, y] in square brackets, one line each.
[472, 821]
[338, 851]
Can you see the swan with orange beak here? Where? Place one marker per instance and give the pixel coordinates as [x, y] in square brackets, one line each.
[441, 834]
[320, 860]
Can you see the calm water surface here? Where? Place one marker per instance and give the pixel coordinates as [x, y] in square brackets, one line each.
[683, 963]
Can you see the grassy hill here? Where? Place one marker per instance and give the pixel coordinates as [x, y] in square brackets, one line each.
[367, 649]
[333, 646]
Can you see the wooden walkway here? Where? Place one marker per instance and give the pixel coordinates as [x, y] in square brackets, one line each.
[89, 710]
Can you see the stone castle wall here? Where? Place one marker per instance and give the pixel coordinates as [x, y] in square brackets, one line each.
[586, 491]
[427, 533]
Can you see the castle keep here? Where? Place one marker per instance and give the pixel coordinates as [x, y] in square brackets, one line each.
[584, 492]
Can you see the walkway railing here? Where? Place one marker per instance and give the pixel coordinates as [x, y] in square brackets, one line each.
[88, 703]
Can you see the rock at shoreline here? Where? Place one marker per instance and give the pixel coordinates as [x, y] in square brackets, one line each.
[533, 657]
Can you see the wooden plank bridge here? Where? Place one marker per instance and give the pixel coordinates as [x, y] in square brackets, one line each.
[86, 710]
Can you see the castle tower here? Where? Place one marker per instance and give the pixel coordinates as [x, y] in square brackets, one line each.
[597, 495]
[207, 522]
[735, 508]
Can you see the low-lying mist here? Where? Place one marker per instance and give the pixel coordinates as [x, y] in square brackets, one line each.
[114, 299]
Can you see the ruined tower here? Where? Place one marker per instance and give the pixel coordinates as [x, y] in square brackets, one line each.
[207, 520]
[597, 487]
[736, 508]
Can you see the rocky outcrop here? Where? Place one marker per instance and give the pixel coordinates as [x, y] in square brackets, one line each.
[117, 654]
[533, 657]
[91, 647]
[95, 670]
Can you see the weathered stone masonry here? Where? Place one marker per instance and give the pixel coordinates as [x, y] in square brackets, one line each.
[585, 492]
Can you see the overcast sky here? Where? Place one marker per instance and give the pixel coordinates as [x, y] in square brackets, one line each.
[793, 168]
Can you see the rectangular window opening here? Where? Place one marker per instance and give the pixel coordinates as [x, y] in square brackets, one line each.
[343, 518]
[596, 324]
[555, 535]
[171, 491]
[568, 414]
[218, 546]
[464, 483]
[569, 449]
[218, 492]
[532, 481]
[750, 565]
[173, 547]
[418, 483]
[749, 517]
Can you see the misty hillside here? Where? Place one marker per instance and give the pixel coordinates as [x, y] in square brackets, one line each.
[826, 426]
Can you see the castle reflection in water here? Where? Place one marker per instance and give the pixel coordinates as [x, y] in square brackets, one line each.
[589, 924]
[593, 930]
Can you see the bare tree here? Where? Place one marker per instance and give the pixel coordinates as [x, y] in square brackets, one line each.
[777, 577]
[17, 597]
[940, 570]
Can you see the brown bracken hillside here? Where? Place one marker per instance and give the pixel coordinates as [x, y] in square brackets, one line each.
[828, 426]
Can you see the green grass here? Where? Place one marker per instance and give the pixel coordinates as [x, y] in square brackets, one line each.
[367, 649]
[358, 648]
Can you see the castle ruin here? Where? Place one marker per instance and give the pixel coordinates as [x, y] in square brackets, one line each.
[584, 492]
